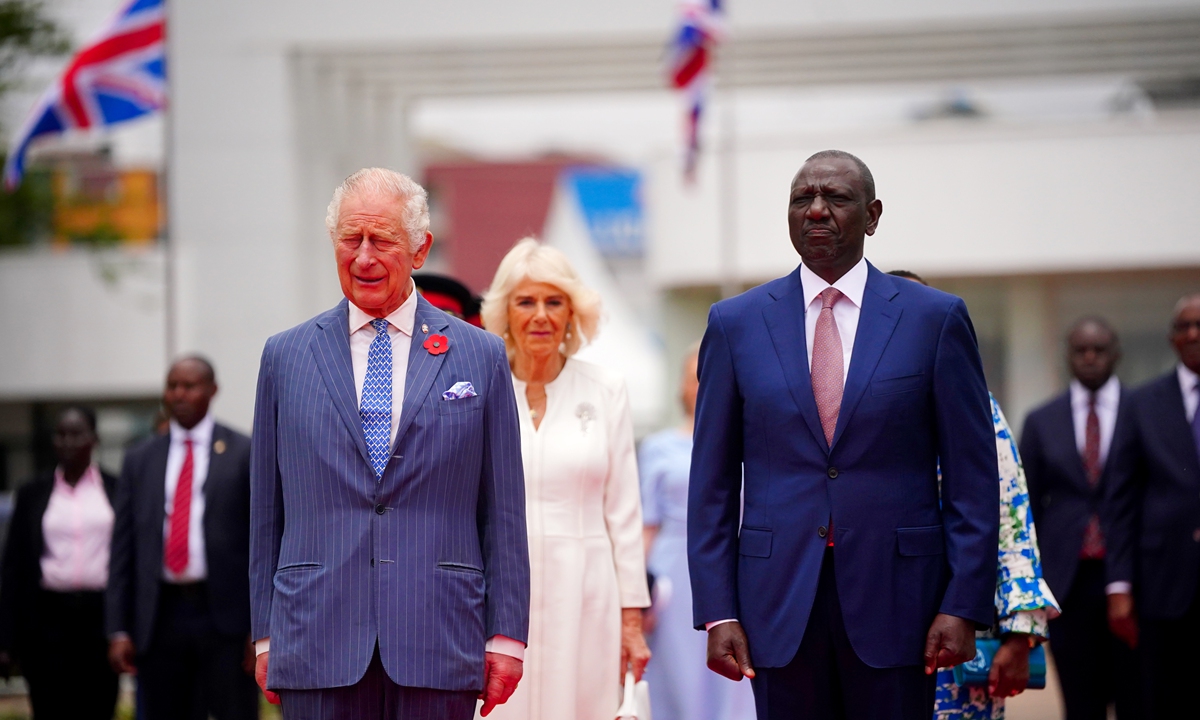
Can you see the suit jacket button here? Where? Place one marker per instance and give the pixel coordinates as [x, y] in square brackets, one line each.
[380, 509]
[822, 531]
[833, 473]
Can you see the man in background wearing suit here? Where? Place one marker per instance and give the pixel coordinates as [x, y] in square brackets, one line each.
[178, 599]
[389, 563]
[1154, 527]
[1066, 449]
[834, 391]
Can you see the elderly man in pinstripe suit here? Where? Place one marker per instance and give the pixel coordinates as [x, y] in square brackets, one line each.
[389, 569]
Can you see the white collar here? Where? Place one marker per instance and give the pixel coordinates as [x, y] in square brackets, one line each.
[402, 318]
[1187, 379]
[1108, 395]
[853, 284]
[200, 435]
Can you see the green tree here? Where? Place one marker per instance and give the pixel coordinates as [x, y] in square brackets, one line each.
[26, 32]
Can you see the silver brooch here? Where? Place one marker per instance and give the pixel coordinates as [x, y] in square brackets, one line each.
[586, 413]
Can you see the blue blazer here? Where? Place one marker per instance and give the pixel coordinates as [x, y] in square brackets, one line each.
[429, 561]
[914, 392]
[1059, 493]
[1153, 504]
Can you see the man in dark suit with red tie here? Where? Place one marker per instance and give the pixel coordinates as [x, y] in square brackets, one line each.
[1153, 510]
[1066, 450]
[178, 598]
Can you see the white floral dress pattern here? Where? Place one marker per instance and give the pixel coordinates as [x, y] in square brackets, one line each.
[1022, 596]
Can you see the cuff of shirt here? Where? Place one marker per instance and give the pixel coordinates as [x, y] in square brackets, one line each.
[119, 635]
[505, 646]
[714, 623]
[262, 646]
[1120, 587]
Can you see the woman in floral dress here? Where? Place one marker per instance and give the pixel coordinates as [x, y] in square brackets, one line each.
[1024, 603]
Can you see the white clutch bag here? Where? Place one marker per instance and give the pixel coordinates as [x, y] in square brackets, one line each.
[636, 704]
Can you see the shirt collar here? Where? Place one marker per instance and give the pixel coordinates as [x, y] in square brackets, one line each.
[1187, 379]
[402, 318]
[852, 284]
[91, 475]
[1107, 396]
[200, 435]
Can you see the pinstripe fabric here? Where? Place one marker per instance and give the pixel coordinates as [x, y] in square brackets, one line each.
[428, 562]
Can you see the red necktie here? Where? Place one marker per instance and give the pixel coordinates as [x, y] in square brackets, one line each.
[181, 512]
[827, 372]
[1093, 539]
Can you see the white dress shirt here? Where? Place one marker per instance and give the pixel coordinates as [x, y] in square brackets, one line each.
[400, 330]
[201, 437]
[77, 533]
[1188, 382]
[1108, 400]
[845, 314]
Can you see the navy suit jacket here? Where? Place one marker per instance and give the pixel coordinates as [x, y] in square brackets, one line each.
[136, 562]
[1153, 504]
[914, 392]
[427, 562]
[1059, 493]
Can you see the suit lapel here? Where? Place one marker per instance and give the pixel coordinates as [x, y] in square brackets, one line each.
[423, 366]
[1063, 416]
[156, 491]
[876, 321]
[331, 348]
[785, 323]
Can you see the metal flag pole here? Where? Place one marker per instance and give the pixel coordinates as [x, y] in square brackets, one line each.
[727, 185]
[170, 330]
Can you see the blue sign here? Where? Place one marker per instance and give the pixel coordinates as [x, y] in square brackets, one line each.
[611, 202]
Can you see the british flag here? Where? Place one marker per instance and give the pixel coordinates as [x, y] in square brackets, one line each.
[690, 64]
[120, 76]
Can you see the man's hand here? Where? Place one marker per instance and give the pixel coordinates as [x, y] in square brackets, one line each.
[1121, 619]
[1010, 667]
[729, 651]
[501, 673]
[950, 642]
[121, 654]
[260, 677]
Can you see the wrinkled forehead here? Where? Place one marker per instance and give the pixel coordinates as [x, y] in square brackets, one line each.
[827, 172]
[1188, 309]
[368, 209]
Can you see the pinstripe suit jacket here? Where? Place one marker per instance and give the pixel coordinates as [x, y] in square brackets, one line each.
[429, 561]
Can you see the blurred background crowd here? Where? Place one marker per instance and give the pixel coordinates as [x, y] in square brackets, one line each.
[1036, 157]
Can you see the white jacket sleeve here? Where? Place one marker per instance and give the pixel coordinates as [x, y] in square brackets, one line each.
[623, 504]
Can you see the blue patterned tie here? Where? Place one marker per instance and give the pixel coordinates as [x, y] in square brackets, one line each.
[376, 408]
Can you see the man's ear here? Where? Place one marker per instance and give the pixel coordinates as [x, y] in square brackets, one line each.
[422, 254]
[874, 212]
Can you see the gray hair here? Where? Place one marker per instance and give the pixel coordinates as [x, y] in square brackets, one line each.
[382, 181]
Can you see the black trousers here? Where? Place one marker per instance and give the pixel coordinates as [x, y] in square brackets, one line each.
[376, 697]
[191, 670]
[1094, 667]
[1171, 664]
[827, 681]
[66, 665]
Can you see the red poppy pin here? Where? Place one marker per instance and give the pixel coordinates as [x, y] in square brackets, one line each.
[436, 344]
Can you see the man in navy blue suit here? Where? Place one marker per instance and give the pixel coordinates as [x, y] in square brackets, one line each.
[389, 567]
[842, 580]
[1153, 508]
[1066, 448]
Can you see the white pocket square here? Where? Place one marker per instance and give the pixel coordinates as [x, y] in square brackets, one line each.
[458, 391]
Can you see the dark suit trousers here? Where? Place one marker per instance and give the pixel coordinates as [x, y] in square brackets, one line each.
[827, 681]
[1171, 664]
[1094, 667]
[191, 670]
[66, 665]
[376, 697]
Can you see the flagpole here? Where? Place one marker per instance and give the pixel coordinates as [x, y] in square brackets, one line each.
[727, 187]
[170, 330]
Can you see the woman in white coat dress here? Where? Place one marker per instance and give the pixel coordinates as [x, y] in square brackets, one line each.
[588, 576]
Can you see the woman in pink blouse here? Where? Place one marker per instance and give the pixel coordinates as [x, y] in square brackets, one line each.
[52, 580]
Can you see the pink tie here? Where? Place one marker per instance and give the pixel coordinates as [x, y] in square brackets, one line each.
[827, 370]
[181, 513]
